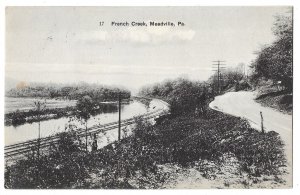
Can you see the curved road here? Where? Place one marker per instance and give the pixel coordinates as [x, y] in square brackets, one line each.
[242, 104]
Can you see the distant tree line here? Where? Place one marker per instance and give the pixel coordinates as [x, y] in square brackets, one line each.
[275, 61]
[89, 96]
[96, 92]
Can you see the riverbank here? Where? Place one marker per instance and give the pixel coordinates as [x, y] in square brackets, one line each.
[21, 117]
[216, 151]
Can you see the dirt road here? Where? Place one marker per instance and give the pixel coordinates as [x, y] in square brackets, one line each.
[242, 104]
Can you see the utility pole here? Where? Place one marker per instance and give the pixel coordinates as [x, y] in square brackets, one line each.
[119, 131]
[262, 122]
[39, 107]
[218, 66]
[86, 135]
[39, 139]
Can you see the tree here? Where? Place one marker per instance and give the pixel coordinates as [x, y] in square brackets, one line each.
[85, 108]
[275, 61]
[229, 77]
[183, 95]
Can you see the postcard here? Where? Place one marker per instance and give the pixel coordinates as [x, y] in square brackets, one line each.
[186, 97]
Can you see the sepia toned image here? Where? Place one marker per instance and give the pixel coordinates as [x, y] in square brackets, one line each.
[148, 97]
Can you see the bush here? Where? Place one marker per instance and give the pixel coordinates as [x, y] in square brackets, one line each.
[18, 118]
[183, 95]
[63, 167]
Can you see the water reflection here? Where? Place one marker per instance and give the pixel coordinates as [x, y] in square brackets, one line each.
[50, 127]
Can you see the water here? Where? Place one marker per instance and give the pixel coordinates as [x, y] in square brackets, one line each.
[28, 131]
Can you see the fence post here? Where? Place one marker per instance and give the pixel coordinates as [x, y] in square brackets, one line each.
[262, 122]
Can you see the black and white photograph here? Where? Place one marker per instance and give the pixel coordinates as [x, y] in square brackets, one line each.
[148, 97]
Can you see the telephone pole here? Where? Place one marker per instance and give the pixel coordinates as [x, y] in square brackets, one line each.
[119, 130]
[218, 66]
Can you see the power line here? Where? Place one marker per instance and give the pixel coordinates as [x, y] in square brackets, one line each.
[218, 67]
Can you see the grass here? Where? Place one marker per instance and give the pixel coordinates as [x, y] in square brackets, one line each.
[273, 96]
[182, 140]
[280, 101]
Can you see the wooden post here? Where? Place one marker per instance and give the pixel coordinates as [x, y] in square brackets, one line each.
[86, 137]
[218, 77]
[262, 122]
[119, 131]
[39, 139]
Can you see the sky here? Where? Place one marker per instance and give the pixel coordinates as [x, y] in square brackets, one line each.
[68, 44]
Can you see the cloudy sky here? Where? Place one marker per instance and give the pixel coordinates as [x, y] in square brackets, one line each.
[67, 44]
